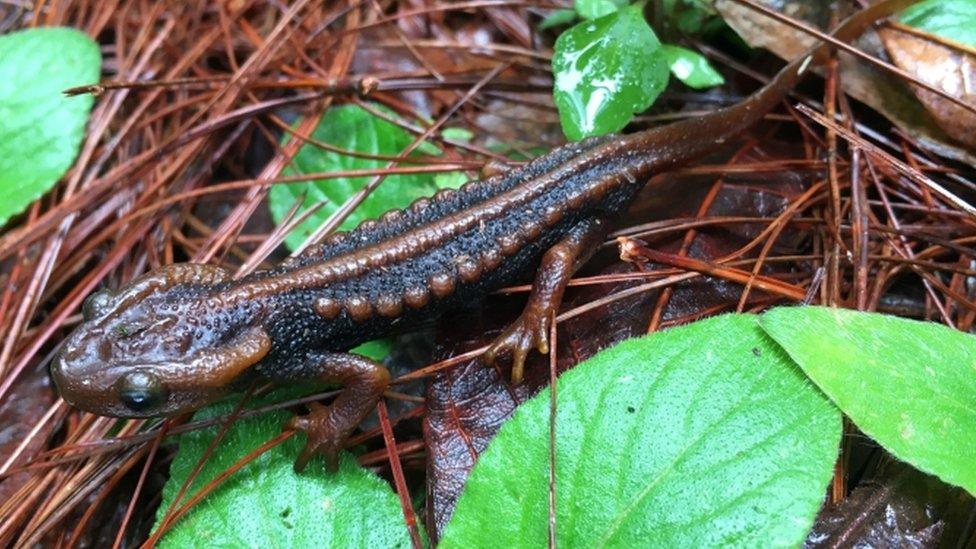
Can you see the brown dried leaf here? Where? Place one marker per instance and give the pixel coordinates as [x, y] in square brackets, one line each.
[30, 399]
[465, 407]
[867, 83]
[901, 508]
[949, 69]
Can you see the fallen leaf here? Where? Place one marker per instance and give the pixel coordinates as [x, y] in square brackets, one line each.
[867, 83]
[30, 398]
[949, 69]
[902, 507]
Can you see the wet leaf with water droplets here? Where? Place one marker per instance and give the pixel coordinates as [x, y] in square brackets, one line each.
[685, 438]
[606, 70]
[910, 385]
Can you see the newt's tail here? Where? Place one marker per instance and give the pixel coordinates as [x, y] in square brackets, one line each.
[678, 143]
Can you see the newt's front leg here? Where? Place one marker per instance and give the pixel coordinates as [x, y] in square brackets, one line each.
[558, 265]
[328, 427]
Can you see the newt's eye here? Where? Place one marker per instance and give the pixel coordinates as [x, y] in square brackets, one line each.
[140, 392]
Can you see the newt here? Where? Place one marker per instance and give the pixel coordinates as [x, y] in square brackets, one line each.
[186, 334]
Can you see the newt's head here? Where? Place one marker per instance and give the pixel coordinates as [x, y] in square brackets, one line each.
[156, 347]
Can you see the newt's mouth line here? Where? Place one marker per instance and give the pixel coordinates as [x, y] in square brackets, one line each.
[154, 366]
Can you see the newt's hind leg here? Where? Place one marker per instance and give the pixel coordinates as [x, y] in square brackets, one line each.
[559, 263]
[328, 427]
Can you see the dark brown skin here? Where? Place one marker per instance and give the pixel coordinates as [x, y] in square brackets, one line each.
[187, 334]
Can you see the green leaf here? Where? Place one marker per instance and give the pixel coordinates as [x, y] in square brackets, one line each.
[41, 129]
[690, 16]
[450, 180]
[952, 19]
[909, 385]
[266, 504]
[704, 435]
[457, 134]
[378, 349]
[594, 9]
[691, 67]
[558, 18]
[605, 71]
[519, 152]
[352, 128]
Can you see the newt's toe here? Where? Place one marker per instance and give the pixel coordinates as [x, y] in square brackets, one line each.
[322, 438]
[523, 335]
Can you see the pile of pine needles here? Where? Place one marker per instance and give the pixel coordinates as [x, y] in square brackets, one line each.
[192, 126]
